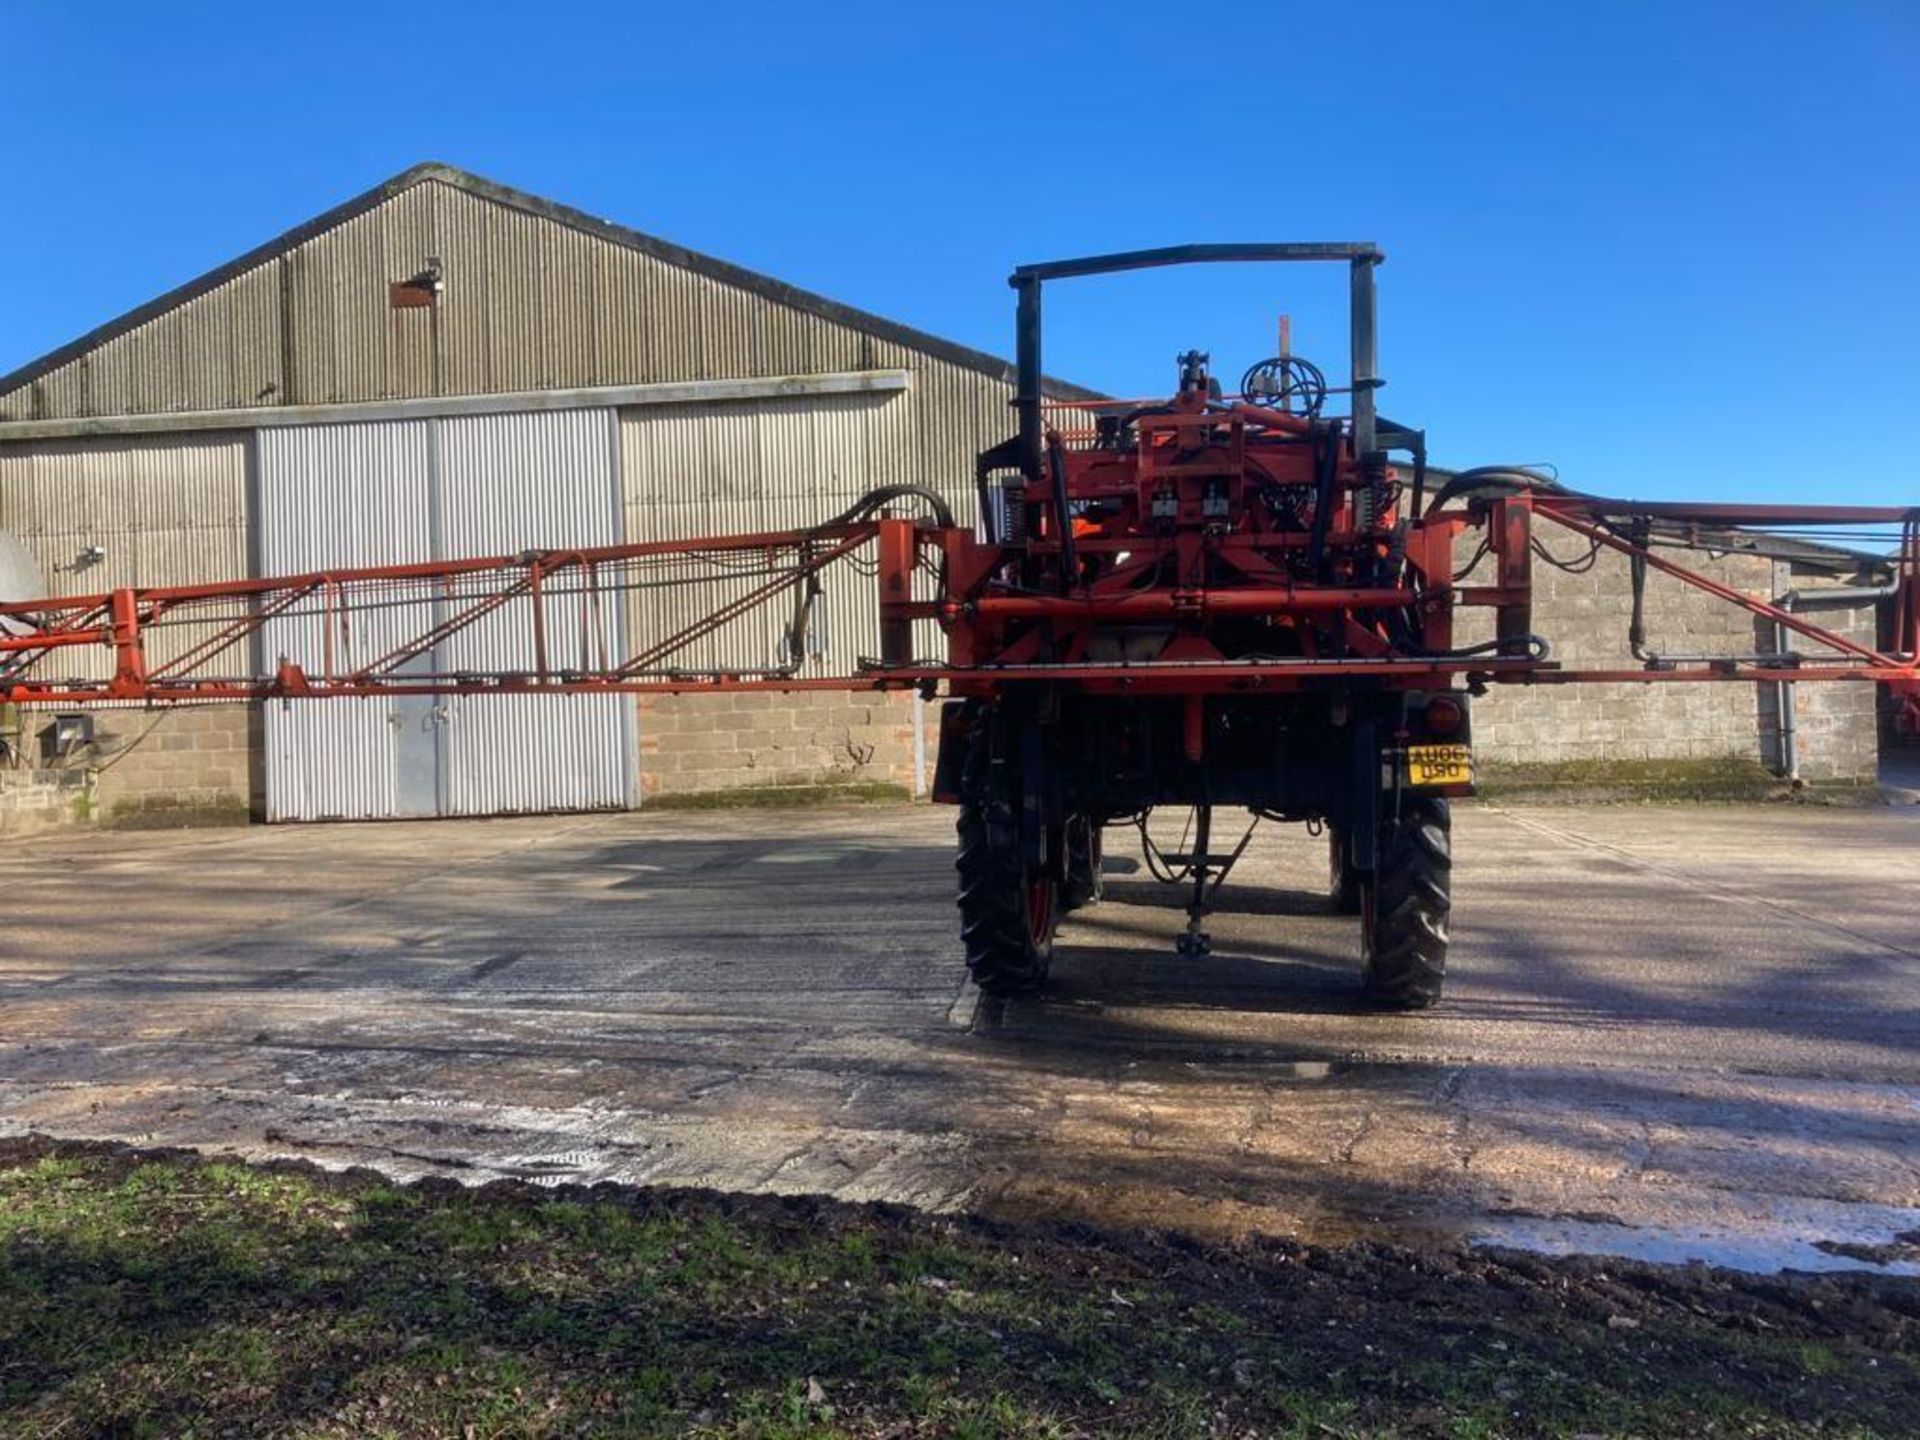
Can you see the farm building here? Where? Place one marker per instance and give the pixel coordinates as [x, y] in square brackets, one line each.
[445, 366]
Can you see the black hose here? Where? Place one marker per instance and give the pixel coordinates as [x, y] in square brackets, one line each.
[808, 586]
[1288, 378]
[874, 499]
[1509, 478]
[1536, 646]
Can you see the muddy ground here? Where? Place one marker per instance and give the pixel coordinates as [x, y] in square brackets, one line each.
[1676, 1033]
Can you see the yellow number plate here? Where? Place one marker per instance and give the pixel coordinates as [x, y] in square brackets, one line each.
[1439, 765]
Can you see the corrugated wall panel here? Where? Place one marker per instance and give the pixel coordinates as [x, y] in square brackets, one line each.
[532, 302]
[718, 469]
[338, 496]
[388, 492]
[167, 509]
[222, 349]
[508, 482]
[463, 337]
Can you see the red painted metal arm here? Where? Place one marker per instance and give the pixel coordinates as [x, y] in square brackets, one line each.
[415, 611]
[548, 601]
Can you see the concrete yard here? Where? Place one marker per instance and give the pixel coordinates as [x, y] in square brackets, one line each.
[1670, 1032]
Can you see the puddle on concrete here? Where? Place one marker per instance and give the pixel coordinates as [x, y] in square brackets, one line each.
[855, 853]
[1309, 1069]
[1267, 1068]
[1839, 1237]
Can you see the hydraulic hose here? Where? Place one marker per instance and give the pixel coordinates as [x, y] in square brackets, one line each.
[1491, 477]
[874, 499]
[1535, 646]
[808, 586]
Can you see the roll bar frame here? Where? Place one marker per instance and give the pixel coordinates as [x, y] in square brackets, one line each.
[1363, 346]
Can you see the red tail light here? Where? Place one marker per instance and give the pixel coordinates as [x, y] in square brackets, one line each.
[1444, 715]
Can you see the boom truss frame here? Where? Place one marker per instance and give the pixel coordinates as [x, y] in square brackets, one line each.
[224, 619]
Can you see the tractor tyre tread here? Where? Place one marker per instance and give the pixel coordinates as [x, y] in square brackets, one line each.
[1001, 956]
[1407, 959]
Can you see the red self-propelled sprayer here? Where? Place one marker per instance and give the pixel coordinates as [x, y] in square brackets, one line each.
[1210, 600]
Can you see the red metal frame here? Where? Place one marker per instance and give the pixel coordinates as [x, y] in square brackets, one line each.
[445, 597]
[974, 606]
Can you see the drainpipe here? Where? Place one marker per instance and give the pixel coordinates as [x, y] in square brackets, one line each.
[1783, 702]
[1784, 689]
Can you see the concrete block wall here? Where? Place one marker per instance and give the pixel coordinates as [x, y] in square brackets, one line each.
[199, 764]
[33, 800]
[1585, 617]
[690, 743]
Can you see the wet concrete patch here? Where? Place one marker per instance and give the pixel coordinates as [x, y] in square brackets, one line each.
[1808, 1236]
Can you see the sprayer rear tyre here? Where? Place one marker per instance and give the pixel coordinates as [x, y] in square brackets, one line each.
[1405, 910]
[1007, 912]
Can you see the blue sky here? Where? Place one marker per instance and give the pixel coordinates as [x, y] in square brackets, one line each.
[1673, 248]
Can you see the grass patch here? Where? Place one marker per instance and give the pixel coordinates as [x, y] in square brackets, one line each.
[782, 797]
[166, 1295]
[1724, 778]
